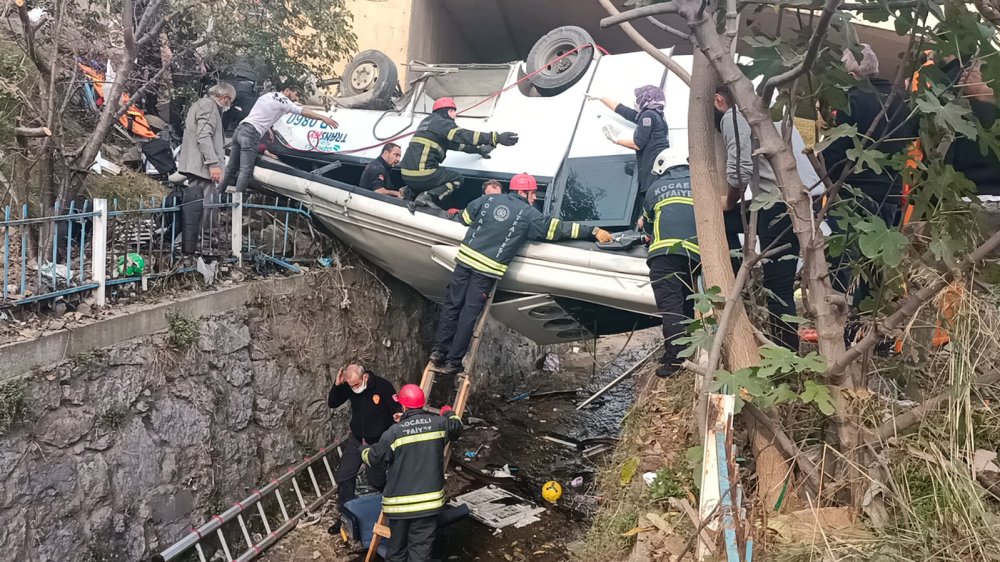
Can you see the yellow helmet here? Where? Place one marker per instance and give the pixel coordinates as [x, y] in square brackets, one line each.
[551, 491]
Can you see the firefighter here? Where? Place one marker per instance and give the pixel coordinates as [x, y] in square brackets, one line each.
[429, 146]
[673, 258]
[499, 224]
[651, 136]
[413, 451]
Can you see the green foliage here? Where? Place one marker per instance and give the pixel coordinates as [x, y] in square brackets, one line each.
[114, 416]
[183, 332]
[771, 382]
[291, 39]
[670, 483]
[11, 404]
[704, 301]
[881, 243]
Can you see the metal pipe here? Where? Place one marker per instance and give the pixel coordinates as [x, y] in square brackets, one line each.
[620, 378]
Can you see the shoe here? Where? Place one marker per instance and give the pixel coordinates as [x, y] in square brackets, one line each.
[452, 368]
[406, 193]
[666, 371]
[424, 199]
[438, 357]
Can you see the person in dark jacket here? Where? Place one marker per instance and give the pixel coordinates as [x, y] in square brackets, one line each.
[498, 226]
[674, 256]
[413, 451]
[377, 174]
[651, 136]
[435, 136]
[893, 132]
[373, 410]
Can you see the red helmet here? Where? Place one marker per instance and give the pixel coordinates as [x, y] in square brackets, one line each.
[523, 182]
[442, 103]
[410, 396]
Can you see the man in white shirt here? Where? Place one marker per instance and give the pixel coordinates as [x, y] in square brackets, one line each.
[246, 138]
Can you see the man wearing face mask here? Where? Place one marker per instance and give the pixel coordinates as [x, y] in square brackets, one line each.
[651, 136]
[373, 410]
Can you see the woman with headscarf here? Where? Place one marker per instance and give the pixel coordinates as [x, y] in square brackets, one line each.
[651, 132]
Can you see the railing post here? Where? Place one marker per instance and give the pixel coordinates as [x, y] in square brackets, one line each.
[98, 259]
[236, 227]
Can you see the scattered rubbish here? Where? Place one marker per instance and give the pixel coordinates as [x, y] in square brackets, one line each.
[552, 491]
[130, 265]
[473, 455]
[660, 523]
[576, 349]
[560, 439]
[522, 396]
[386, 342]
[620, 378]
[499, 508]
[636, 530]
[472, 420]
[325, 261]
[628, 471]
[497, 532]
[551, 363]
[207, 271]
[551, 393]
[649, 478]
[576, 482]
[503, 472]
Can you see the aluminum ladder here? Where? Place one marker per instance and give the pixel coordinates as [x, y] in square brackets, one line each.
[463, 384]
[273, 518]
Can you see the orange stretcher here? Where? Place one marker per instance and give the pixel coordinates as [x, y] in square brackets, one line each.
[134, 120]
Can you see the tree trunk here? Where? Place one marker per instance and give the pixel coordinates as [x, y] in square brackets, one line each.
[824, 305]
[707, 173]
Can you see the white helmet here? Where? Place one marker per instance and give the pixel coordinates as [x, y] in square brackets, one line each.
[667, 159]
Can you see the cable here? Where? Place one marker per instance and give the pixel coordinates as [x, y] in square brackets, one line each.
[315, 146]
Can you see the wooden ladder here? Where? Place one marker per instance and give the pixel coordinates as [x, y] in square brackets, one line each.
[463, 384]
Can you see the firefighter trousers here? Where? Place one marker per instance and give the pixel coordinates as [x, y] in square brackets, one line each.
[411, 540]
[442, 183]
[467, 295]
[672, 277]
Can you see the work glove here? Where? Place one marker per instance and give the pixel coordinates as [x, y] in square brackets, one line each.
[602, 236]
[453, 212]
[485, 150]
[507, 139]
[445, 410]
[589, 97]
[612, 132]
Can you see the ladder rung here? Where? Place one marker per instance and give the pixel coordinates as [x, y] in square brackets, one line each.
[381, 530]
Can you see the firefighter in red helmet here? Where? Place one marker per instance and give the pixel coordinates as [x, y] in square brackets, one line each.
[499, 224]
[413, 449]
[435, 136]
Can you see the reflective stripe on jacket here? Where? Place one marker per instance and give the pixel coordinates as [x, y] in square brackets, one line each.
[500, 224]
[435, 136]
[413, 452]
[668, 214]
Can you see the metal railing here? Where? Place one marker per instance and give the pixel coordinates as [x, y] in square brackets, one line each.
[101, 245]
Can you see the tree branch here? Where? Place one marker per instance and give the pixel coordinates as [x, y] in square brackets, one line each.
[618, 18]
[812, 51]
[671, 30]
[33, 132]
[908, 419]
[646, 46]
[910, 305]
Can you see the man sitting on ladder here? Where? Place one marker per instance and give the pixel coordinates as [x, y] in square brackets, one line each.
[499, 224]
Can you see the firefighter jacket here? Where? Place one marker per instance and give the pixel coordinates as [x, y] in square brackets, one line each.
[413, 453]
[500, 224]
[435, 136]
[668, 215]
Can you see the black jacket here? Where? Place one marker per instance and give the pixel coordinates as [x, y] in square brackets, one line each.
[377, 175]
[371, 411]
[500, 224]
[651, 136]
[966, 157]
[668, 213]
[413, 453]
[866, 102]
[435, 136]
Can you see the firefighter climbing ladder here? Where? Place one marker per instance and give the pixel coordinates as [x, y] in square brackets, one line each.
[462, 384]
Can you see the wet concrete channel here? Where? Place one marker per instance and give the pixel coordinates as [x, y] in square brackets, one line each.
[511, 429]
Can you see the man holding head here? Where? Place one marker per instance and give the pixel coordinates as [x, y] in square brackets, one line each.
[377, 174]
[373, 410]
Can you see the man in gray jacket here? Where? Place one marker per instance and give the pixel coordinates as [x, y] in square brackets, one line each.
[202, 159]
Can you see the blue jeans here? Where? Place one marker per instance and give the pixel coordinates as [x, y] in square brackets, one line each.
[242, 157]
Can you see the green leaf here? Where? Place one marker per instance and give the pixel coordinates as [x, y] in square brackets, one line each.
[840, 131]
[705, 300]
[791, 319]
[879, 242]
[628, 471]
[779, 395]
[951, 116]
[765, 200]
[868, 158]
[818, 394]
